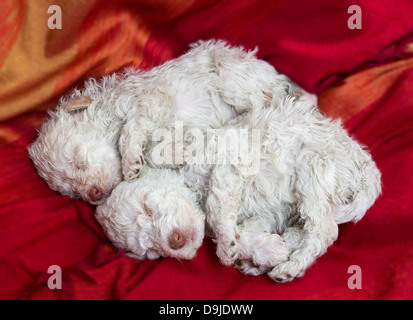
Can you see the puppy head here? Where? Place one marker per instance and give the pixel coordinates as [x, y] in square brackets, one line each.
[76, 153]
[153, 216]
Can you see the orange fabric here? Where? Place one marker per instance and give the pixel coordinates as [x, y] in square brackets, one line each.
[345, 101]
[98, 37]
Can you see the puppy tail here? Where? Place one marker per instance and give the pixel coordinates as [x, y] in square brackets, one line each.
[360, 197]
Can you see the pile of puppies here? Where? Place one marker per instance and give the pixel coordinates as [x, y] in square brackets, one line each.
[274, 214]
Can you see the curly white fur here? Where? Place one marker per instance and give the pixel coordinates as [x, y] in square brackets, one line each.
[77, 151]
[312, 177]
[278, 220]
[204, 88]
[155, 215]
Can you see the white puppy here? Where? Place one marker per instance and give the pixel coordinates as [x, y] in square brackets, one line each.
[312, 176]
[76, 148]
[276, 218]
[203, 89]
[77, 151]
[153, 216]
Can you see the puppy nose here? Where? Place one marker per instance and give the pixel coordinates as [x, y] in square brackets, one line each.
[95, 193]
[176, 240]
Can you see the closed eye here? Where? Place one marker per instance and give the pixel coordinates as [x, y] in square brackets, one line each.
[148, 210]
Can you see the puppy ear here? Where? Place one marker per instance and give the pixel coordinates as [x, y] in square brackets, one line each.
[78, 103]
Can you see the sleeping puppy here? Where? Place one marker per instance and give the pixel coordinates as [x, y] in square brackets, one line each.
[96, 137]
[312, 176]
[76, 148]
[154, 216]
[274, 212]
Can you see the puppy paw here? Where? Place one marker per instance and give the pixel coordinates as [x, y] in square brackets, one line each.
[248, 267]
[286, 271]
[228, 250]
[271, 251]
[132, 167]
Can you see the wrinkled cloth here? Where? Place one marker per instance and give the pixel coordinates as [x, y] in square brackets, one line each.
[364, 77]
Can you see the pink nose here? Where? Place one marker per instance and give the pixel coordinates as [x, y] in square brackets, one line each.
[176, 240]
[95, 194]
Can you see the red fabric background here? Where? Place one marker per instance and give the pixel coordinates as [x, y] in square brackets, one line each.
[363, 76]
